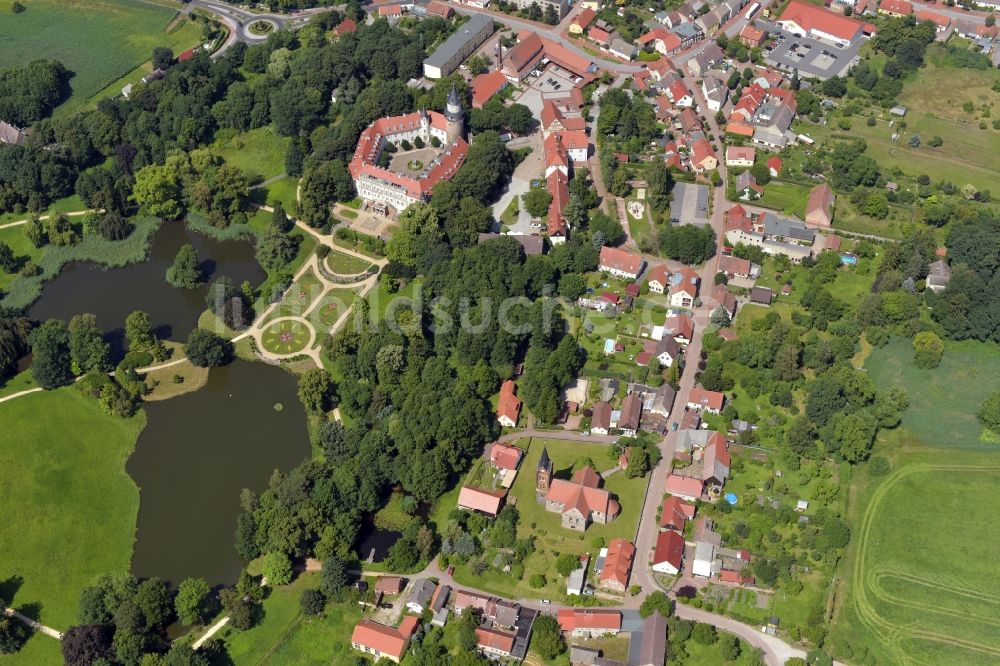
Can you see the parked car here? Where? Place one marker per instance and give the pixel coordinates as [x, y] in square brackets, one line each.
[451, 570]
[545, 601]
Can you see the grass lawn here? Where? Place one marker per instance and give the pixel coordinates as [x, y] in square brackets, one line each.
[19, 382]
[286, 337]
[551, 539]
[259, 152]
[284, 191]
[943, 401]
[285, 636]
[299, 297]
[381, 300]
[786, 196]
[100, 41]
[333, 305]
[711, 655]
[70, 506]
[345, 264]
[899, 600]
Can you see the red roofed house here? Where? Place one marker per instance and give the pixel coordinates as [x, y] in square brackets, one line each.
[737, 127]
[831, 243]
[553, 120]
[617, 565]
[740, 156]
[390, 11]
[680, 95]
[582, 21]
[774, 165]
[509, 405]
[668, 555]
[681, 327]
[898, 8]
[436, 8]
[685, 487]
[345, 27]
[600, 422]
[580, 500]
[752, 37]
[805, 20]
[504, 456]
[703, 156]
[715, 462]
[495, 643]
[488, 502]
[689, 121]
[599, 35]
[675, 513]
[819, 208]
[620, 263]
[663, 41]
[709, 401]
[940, 22]
[382, 641]
[735, 267]
[485, 86]
[729, 576]
[589, 622]
[659, 278]
[684, 291]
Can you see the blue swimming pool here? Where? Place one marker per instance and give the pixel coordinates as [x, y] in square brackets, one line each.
[848, 259]
[731, 498]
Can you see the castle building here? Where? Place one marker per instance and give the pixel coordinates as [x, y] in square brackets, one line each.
[377, 183]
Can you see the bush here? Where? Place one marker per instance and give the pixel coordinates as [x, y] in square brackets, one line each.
[205, 349]
[537, 581]
[277, 568]
[312, 602]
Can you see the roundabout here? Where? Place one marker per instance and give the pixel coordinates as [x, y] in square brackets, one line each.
[261, 28]
[288, 336]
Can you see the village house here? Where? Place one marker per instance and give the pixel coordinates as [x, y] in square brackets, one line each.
[488, 502]
[734, 267]
[819, 208]
[631, 414]
[600, 421]
[508, 405]
[709, 57]
[675, 513]
[589, 622]
[774, 166]
[620, 263]
[709, 401]
[582, 21]
[752, 37]
[747, 187]
[504, 456]
[421, 595]
[580, 500]
[895, 8]
[494, 642]
[485, 86]
[938, 276]
[384, 642]
[716, 93]
[761, 296]
[740, 156]
[685, 487]
[703, 156]
[684, 288]
[668, 555]
[617, 566]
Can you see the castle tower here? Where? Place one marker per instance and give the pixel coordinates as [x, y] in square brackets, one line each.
[543, 477]
[425, 125]
[454, 113]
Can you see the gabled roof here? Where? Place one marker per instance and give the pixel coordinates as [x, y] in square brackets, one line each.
[774, 162]
[486, 86]
[601, 417]
[811, 17]
[585, 18]
[571, 619]
[716, 462]
[676, 512]
[701, 151]
[680, 326]
[631, 412]
[706, 399]
[509, 405]
[477, 499]
[612, 257]
[385, 639]
[669, 548]
[494, 639]
[740, 153]
[505, 456]
[684, 485]
[618, 562]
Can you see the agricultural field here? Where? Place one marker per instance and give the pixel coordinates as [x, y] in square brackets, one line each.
[941, 484]
[100, 41]
[64, 466]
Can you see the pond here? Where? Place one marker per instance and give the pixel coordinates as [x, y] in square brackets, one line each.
[374, 543]
[111, 294]
[197, 452]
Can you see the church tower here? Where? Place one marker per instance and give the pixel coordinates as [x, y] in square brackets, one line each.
[543, 477]
[454, 113]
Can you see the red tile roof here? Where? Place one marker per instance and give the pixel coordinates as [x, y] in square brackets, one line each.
[682, 326]
[900, 7]
[739, 128]
[558, 186]
[734, 266]
[370, 144]
[706, 399]
[618, 562]
[599, 35]
[700, 152]
[740, 153]
[938, 19]
[752, 35]
[390, 10]
[346, 26]
[669, 548]
[581, 493]
[504, 456]
[585, 18]
[670, 41]
[612, 257]
[495, 639]
[477, 499]
[774, 162]
[387, 640]
[571, 619]
[389, 584]
[685, 486]
[811, 17]
[675, 513]
[439, 9]
[509, 405]
[485, 86]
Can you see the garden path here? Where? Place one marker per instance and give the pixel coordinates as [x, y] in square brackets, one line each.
[34, 624]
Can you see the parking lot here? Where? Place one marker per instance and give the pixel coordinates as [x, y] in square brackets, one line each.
[811, 57]
[690, 204]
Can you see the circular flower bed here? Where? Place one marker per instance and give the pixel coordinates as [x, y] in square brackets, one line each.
[286, 337]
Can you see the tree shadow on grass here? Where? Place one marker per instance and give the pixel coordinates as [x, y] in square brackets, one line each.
[9, 588]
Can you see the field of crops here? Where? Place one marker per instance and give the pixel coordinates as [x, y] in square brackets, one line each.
[100, 41]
